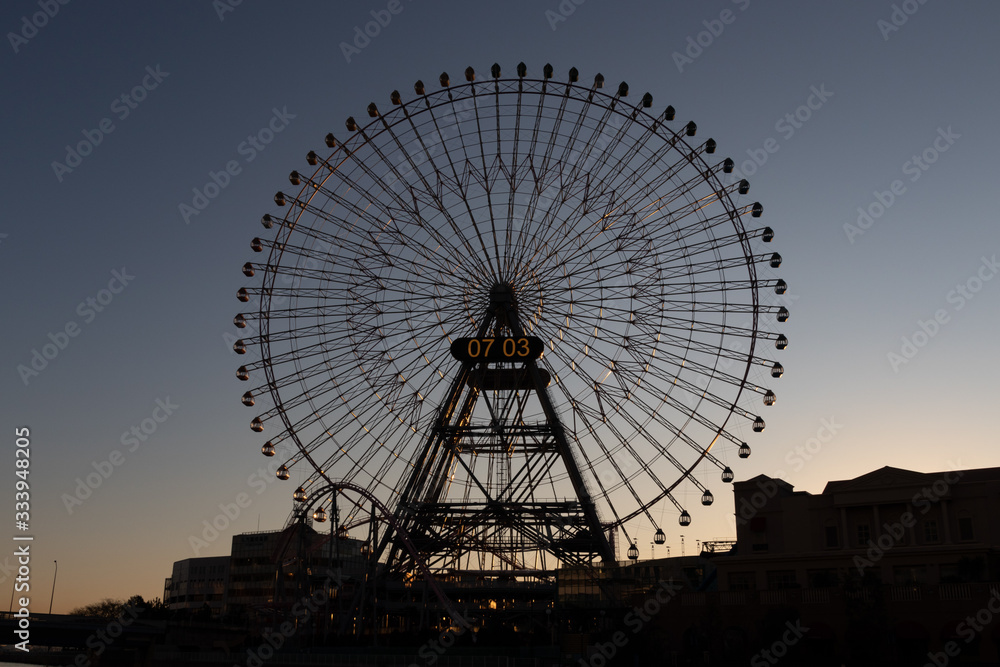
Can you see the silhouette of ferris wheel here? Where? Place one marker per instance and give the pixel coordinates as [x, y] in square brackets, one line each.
[526, 314]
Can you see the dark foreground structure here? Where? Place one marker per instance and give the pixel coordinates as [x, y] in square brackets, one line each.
[891, 568]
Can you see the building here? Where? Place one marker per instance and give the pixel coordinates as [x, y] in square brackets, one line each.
[890, 526]
[196, 582]
[894, 561]
[271, 570]
[892, 567]
[266, 573]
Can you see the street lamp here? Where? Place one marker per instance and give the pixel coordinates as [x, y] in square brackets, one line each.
[53, 596]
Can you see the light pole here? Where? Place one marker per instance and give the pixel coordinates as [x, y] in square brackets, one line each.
[54, 575]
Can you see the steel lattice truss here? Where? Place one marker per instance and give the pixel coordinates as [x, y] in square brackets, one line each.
[626, 248]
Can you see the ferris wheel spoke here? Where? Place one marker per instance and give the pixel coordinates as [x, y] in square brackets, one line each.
[627, 380]
[644, 467]
[557, 121]
[412, 213]
[567, 184]
[632, 184]
[594, 435]
[409, 211]
[581, 163]
[536, 131]
[438, 199]
[679, 433]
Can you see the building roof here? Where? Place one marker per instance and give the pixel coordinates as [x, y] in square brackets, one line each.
[888, 477]
[763, 479]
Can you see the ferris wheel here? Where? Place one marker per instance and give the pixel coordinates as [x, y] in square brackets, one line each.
[532, 317]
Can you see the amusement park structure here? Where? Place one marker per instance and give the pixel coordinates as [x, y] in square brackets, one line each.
[507, 328]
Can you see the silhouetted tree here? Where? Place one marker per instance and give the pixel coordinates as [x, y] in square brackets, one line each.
[107, 608]
[110, 608]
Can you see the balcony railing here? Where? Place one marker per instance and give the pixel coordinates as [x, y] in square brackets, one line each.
[693, 600]
[905, 593]
[733, 597]
[955, 592]
[775, 597]
[816, 596]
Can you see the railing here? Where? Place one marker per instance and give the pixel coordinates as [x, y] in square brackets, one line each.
[693, 599]
[955, 591]
[729, 598]
[889, 594]
[774, 597]
[493, 584]
[859, 595]
[717, 546]
[816, 596]
[905, 593]
[341, 659]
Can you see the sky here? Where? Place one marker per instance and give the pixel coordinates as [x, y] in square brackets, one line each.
[868, 131]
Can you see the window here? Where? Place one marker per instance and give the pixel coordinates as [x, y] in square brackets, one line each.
[909, 574]
[781, 579]
[969, 568]
[965, 531]
[930, 531]
[824, 578]
[832, 538]
[864, 534]
[741, 581]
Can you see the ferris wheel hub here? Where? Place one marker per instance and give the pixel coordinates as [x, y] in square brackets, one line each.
[502, 295]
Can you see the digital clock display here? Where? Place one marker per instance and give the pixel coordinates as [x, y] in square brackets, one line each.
[522, 348]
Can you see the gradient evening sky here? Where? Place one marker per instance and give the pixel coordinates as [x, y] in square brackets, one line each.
[892, 95]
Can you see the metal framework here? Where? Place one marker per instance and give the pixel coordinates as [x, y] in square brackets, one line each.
[512, 207]
[507, 521]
